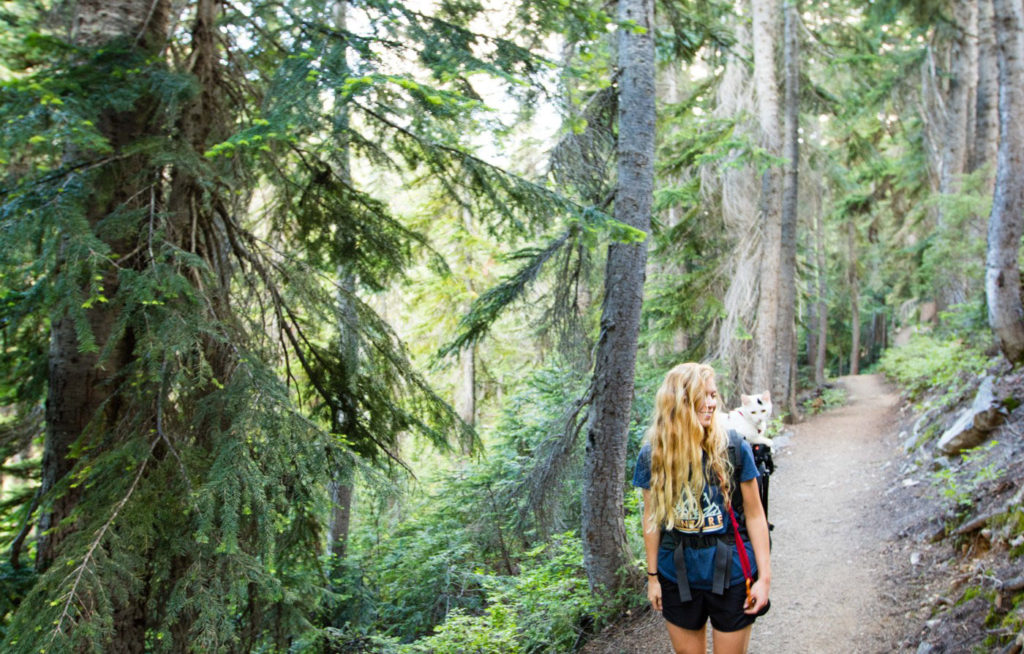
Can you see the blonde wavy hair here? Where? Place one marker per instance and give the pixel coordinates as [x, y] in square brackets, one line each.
[678, 441]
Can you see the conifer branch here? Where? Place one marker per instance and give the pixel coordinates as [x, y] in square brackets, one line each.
[83, 566]
[281, 308]
[26, 526]
[160, 429]
[544, 478]
[64, 171]
[485, 309]
[559, 200]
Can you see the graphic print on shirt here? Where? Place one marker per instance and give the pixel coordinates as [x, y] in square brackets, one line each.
[707, 519]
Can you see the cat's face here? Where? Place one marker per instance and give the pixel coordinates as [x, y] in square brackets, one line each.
[757, 407]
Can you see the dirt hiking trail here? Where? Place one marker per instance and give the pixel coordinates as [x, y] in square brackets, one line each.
[830, 571]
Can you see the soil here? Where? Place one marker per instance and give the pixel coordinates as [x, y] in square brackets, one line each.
[845, 577]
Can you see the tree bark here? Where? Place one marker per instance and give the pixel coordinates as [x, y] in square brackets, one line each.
[670, 266]
[765, 35]
[465, 382]
[957, 123]
[79, 384]
[341, 515]
[341, 486]
[785, 355]
[82, 401]
[605, 551]
[985, 148]
[822, 279]
[1006, 222]
[465, 392]
[854, 284]
[811, 321]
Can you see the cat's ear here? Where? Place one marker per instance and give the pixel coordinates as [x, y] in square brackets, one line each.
[767, 396]
[746, 399]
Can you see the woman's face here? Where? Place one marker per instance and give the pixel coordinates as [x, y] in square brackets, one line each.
[706, 405]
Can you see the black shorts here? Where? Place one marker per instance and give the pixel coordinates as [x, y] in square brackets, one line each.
[725, 610]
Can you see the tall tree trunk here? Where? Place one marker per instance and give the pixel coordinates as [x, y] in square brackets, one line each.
[605, 551]
[670, 266]
[819, 289]
[984, 149]
[341, 515]
[765, 34]
[465, 383]
[81, 387]
[1006, 223]
[822, 279]
[465, 392]
[955, 127]
[785, 355]
[810, 318]
[854, 284]
[740, 196]
[341, 486]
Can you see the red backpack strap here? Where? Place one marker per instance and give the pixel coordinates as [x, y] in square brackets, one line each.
[741, 550]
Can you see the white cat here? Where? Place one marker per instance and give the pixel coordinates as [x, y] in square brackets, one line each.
[750, 419]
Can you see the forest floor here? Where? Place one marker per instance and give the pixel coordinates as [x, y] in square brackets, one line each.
[845, 575]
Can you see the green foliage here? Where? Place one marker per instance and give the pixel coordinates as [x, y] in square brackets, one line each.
[928, 362]
[1003, 624]
[948, 255]
[15, 583]
[494, 632]
[1013, 520]
[542, 609]
[829, 398]
[245, 374]
[463, 526]
[958, 486]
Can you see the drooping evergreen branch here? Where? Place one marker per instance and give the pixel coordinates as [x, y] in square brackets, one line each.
[485, 310]
[297, 339]
[80, 569]
[164, 380]
[26, 526]
[544, 478]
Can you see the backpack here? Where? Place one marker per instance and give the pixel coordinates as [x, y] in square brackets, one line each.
[765, 467]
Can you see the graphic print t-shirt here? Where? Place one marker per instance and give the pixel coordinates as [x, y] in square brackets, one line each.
[710, 518]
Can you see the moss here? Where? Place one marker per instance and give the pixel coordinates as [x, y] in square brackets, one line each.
[1008, 622]
[1014, 520]
[927, 434]
[970, 593]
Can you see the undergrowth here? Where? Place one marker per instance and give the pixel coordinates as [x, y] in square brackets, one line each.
[958, 486]
[929, 363]
[828, 398]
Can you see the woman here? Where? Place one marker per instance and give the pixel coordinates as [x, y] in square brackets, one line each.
[700, 490]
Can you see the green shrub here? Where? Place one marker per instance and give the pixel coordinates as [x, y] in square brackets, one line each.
[959, 487]
[544, 608]
[927, 362]
[494, 632]
[829, 398]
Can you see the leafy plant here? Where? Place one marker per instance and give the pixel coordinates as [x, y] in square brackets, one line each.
[829, 398]
[928, 362]
[959, 488]
[545, 608]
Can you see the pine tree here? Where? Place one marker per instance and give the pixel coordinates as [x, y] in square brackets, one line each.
[175, 210]
[605, 552]
[1006, 224]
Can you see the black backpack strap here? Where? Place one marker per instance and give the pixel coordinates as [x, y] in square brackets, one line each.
[735, 443]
